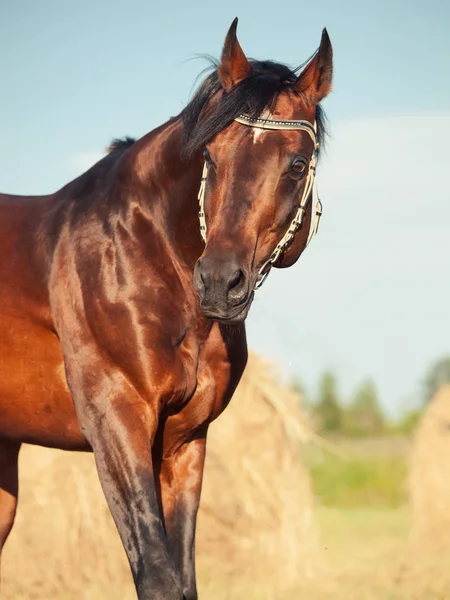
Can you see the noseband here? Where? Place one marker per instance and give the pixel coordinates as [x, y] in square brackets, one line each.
[309, 191]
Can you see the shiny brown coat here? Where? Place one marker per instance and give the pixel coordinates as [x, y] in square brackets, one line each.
[115, 338]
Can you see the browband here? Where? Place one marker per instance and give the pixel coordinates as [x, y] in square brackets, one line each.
[273, 124]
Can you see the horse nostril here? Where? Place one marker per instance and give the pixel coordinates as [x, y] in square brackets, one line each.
[200, 278]
[235, 280]
[202, 271]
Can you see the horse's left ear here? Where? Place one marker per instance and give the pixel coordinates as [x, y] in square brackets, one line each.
[315, 81]
[234, 66]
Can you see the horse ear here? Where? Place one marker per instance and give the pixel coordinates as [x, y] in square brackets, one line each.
[234, 66]
[315, 80]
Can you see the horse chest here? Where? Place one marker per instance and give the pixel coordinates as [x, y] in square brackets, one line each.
[203, 376]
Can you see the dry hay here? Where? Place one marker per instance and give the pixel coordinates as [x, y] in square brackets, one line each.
[257, 502]
[255, 518]
[429, 480]
[64, 543]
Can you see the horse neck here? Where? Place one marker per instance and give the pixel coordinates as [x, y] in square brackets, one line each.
[170, 187]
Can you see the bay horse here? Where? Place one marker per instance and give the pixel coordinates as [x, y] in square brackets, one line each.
[122, 333]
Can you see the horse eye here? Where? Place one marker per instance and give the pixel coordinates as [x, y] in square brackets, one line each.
[298, 166]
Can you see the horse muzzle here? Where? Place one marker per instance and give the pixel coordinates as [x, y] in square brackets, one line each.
[224, 290]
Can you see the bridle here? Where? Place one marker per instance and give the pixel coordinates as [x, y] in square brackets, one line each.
[309, 191]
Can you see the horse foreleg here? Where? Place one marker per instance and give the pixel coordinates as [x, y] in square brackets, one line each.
[9, 454]
[180, 485]
[120, 426]
[180, 449]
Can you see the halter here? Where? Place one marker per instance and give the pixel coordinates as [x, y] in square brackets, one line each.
[309, 191]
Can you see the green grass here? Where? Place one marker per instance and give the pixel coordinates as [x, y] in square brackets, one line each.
[354, 482]
[360, 473]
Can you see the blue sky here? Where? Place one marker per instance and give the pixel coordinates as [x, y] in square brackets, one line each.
[371, 295]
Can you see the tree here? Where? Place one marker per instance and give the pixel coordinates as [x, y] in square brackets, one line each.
[437, 376]
[297, 386]
[364, 416]
[327, 407]
[408, 423]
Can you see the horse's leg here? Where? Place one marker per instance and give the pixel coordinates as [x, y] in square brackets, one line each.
[9, 454]
[120, 426]
[180, 485]
[183, 445]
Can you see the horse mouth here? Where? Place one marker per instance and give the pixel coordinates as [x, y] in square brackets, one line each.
[233, 316]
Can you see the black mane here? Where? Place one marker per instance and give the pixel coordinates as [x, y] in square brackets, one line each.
[120, 144]
[252, 96]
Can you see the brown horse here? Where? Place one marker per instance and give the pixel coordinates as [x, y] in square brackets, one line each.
[120, 332]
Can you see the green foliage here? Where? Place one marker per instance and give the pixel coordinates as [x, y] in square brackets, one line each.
[298, 386]
[437, 376]
[358, 482]
[364, 416]
[327, 408]
[408, 423]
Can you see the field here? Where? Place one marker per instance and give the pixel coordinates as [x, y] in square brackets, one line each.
[364, 555]
[369, 557]
[366, 548]
[363, 549]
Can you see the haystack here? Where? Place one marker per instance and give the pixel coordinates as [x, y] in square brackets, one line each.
[429, 481]
[257, 502]
[255, 518]
[64, 543]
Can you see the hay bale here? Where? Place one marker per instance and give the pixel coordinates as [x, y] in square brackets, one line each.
[64, 543]
[429, 479]
[257, 502]
[255, 517]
